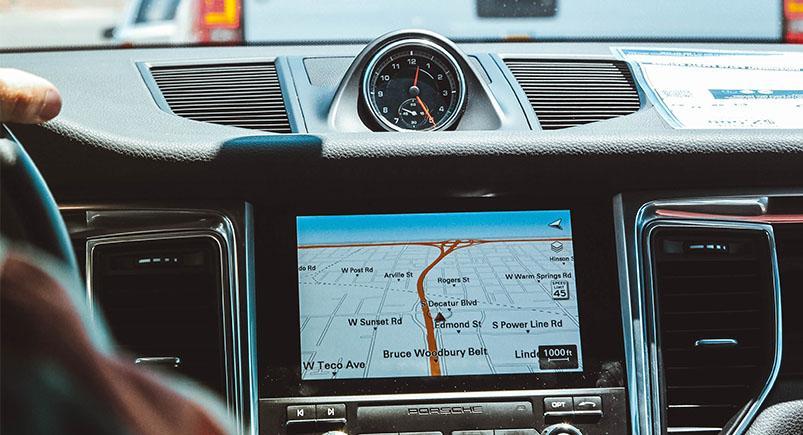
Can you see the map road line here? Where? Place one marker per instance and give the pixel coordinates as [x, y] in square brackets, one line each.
[432, 344]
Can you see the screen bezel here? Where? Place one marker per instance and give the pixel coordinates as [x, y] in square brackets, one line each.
[595, 262]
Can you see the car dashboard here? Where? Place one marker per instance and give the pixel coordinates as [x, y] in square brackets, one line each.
[426, 237]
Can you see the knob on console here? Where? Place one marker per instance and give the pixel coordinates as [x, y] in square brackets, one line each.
[561, 429]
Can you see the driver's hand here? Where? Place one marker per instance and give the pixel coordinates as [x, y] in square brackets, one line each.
[26, 98]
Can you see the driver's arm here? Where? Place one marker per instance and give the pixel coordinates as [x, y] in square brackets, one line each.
[56, 377]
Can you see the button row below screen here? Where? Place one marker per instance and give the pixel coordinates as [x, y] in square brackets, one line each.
[469, 432]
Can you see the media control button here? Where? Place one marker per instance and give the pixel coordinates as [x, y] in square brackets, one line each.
[516, 432]
[473, 432]
[558, 404]
[326, 412]
[588, 403]
[421, 433]
[301, 412]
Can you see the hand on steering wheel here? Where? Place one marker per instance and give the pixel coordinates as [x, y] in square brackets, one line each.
[26, 98]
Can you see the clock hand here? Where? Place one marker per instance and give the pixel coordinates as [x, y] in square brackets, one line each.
[426, 111]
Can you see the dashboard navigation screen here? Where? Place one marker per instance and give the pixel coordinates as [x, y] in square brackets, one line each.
[437, 294]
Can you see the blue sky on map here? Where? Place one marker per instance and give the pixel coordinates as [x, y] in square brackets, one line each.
[314, 230]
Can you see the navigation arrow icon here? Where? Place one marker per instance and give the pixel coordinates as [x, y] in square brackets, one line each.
[440, 318]
[557, 224]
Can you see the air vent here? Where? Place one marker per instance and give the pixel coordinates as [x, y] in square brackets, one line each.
[571, 93]
[246, 95]
[714, 297]
[162, 301]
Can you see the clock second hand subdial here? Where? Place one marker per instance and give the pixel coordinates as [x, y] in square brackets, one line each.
[426, 111]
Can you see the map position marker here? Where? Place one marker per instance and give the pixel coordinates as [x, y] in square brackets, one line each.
[440, 318]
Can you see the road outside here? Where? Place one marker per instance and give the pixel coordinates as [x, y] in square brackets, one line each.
[49, 23]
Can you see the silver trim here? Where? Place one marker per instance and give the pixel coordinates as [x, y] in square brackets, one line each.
[638, 392]
[250, 316]
[418, 43]
[159, 361]
[744, 206]
[107, 224]
[646, 222]
[716, 342]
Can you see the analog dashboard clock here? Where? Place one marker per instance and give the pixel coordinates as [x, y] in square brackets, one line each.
[414, 84]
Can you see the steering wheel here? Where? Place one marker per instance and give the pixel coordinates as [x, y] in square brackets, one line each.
[28, 212]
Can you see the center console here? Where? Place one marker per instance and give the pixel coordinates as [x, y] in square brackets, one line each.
[464, 317]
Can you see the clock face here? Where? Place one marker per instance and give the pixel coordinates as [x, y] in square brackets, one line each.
[413, 85]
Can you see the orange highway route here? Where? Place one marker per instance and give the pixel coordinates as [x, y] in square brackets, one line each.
[432, 344]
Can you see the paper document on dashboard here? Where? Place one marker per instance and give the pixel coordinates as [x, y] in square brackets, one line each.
[711, 89]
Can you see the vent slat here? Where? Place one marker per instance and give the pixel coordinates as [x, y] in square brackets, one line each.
[219, 92]
[236, 84]
[218, 75]
[211, 101]
[247, 95]
[564, 80]
[568, 94]
[580, 90]
[227, 105]
[589, 99]
[577, 111]
[259, 114]
[184, 70]
[711, 296]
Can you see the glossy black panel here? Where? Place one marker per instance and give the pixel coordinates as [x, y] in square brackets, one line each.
[277, 318]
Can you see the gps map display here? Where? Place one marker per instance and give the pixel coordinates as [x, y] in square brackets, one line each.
[437, 294]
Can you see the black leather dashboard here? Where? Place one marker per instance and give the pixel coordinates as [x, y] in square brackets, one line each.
[112, 138]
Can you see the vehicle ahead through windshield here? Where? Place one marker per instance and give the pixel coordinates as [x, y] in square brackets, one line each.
[143, 22]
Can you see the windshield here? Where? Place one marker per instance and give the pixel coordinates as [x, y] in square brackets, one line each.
[59, 23]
